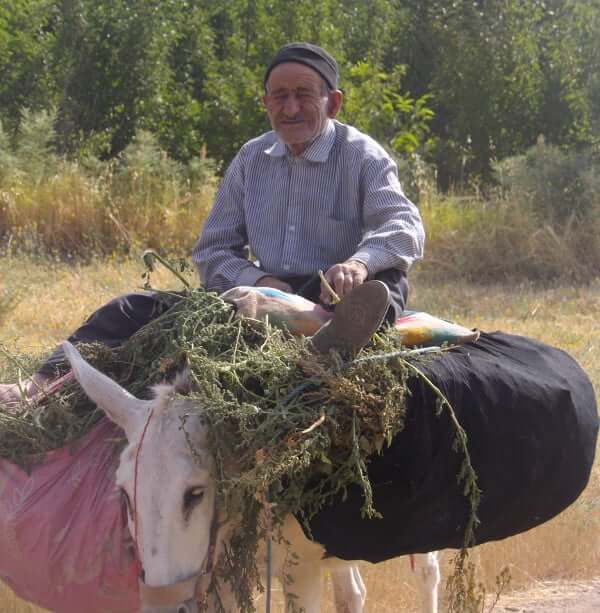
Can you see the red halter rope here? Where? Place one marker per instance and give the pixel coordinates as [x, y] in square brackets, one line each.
[135, 484]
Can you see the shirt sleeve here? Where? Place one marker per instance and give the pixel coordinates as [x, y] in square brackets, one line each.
[393, 235]
[219, 254]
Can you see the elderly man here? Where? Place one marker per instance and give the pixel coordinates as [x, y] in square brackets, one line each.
[313, 194]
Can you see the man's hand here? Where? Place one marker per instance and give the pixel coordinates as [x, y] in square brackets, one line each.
[343, 278]
[275, 283]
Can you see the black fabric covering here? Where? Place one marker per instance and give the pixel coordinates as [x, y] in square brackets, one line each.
[530, 414]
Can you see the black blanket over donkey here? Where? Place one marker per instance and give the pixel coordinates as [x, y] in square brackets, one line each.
[530, 415]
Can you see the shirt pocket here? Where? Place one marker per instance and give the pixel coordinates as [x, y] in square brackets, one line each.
[338, 239]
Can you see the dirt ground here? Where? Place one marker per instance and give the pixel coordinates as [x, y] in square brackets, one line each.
[554, 597]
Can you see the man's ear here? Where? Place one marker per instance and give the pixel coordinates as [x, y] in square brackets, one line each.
[334, 103]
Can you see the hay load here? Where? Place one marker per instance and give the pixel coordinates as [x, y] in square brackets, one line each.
[274, 406]
[301, 427]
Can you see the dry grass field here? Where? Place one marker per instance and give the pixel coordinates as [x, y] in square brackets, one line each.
[41, 302]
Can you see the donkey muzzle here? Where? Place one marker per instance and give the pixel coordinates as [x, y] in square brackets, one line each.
[177, 597]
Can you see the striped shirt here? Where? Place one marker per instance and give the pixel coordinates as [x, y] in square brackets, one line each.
[339, 200]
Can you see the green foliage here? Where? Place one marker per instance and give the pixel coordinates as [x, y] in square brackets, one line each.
[7, 159]
[29, 156]
[375, 104]
[34, 144]
[417, 177]
[462, 83]
[26, 42]
[500, 74]
[143, 157]
[111, 59]
[144, 161]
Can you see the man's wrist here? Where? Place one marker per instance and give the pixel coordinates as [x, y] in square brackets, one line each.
[375, 260]
[360, 263]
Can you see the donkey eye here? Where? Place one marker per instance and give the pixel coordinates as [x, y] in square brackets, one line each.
[192, 497]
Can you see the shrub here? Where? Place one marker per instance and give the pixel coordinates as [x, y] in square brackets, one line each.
[417, 177]
[7, 158]
[558, 184]
[34, 145]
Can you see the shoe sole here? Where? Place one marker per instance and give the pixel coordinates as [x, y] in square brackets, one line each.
[356, 318]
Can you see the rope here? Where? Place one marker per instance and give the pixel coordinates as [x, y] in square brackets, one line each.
[135, 482]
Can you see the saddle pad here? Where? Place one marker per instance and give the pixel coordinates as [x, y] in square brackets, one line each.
[303, 317]
[417, 328]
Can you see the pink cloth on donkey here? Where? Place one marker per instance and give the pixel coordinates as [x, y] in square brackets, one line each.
[64, 542]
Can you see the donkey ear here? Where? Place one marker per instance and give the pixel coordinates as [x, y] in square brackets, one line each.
[119, 405]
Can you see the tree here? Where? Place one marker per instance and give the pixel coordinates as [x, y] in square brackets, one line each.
[111, 58]
[25, 40]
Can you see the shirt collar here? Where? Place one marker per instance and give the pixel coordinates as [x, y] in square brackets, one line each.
[317, 151]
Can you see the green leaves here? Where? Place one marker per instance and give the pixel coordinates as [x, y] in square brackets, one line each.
[375, 104]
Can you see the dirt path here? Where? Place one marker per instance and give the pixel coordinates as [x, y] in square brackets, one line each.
[554, 597]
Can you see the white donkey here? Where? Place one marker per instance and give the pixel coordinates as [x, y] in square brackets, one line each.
[172, 517]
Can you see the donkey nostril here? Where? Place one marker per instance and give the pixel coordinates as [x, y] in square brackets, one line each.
[183, 609]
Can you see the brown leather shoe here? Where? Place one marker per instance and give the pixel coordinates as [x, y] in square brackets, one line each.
[355, 319]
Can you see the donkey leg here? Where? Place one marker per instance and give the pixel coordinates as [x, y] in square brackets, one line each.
[428, 573]
[349, 591]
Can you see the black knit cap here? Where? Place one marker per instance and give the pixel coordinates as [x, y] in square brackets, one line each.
[310, 55]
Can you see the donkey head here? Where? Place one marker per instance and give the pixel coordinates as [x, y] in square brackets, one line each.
[165, 474]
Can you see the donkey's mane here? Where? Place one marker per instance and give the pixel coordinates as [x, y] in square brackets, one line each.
[165, 392]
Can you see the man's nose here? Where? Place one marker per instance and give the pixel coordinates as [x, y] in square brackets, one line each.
[291, 106]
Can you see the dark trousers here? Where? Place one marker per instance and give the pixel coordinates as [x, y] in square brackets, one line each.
[113, 323]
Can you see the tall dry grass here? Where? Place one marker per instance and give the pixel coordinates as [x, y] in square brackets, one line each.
[48, 299]
[504, 240]
[73, 214]
[541, 221]
[80, 208]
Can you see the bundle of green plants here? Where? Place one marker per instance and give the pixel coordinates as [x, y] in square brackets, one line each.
[286, 426]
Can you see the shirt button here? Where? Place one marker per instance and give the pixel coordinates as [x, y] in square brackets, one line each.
[292, 228]
[286, 267]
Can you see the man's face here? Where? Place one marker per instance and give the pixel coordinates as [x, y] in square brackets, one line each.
[298, 104]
